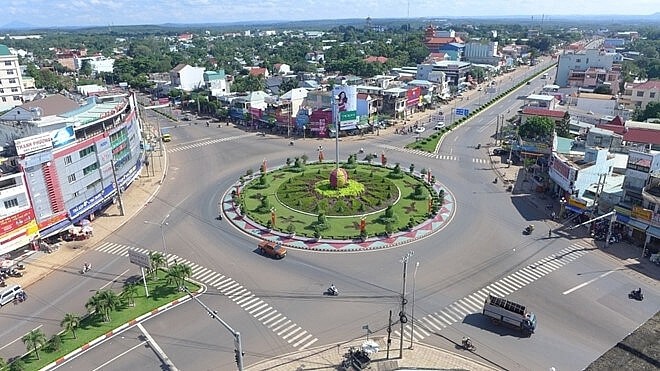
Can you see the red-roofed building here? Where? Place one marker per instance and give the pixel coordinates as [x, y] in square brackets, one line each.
[435, 42]
[641, 94]
[373, 59]
[258, 71]
[185, 37]
[633, 131]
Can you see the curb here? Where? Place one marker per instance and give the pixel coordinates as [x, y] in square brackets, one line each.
[163, 308]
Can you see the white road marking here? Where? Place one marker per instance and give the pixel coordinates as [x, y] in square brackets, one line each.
[113, 281]
[36, 328]
[119, 356]
[586, 283]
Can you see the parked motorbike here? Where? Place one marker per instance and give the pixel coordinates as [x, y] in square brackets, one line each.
[636, 294]
[529, 229]
[478, 146]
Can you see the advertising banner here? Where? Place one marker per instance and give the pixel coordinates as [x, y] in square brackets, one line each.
[15, 221]
[34, 143]
[345, 107]
[63, 136]
[412, 96]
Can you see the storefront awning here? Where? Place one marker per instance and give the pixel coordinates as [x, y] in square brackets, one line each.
[653, 231]
[575, 209]
[638, 225]
[622, 218]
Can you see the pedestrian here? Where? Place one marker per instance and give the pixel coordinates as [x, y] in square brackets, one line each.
[549, 233]
[554, 215]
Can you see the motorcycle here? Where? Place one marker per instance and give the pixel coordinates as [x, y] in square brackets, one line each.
[478, 146]
[636, 294]
[529, 229]
[332, 291]
[86, 268]
[495, 181]
[467, 344]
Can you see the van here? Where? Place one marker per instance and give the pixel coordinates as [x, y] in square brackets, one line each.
[165, 135]
[544, 76]
[9, 294]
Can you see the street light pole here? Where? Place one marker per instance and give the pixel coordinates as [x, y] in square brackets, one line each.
[402, 314]
[161, 225]
[335, 109]
[412, 312]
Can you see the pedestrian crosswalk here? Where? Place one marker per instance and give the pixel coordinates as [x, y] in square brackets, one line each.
[416, 152]
[259, 309]
[473, 303]
[448, 157]
[203, 143]
[479, 160]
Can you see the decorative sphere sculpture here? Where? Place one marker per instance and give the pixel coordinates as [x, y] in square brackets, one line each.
[338, 178]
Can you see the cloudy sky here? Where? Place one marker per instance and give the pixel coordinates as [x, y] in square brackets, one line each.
[128, 12]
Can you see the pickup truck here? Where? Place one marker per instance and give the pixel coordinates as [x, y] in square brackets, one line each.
[272, 249]
[500, 310]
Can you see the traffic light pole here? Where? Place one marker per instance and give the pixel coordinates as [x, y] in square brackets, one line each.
[238, 346]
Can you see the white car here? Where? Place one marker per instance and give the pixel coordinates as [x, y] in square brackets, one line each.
[439, 125]
[420, 130]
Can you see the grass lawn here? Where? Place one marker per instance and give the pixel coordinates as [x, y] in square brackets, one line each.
[339, 227]
[428, 144]
[92, 326]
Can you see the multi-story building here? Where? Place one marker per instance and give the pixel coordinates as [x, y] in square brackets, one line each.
[455, 72]
[435, 40]
[639, 95]
[73, 164]
[589, 68]
[216, 82]
[573, 175]
[186, 77]
[482, 53]
[11, 83]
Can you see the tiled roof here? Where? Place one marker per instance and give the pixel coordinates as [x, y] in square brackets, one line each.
[258, 72]
[535, 111]
[52, 105]
[651, 84]
[371, 59]
[642, 136]
[178, 67]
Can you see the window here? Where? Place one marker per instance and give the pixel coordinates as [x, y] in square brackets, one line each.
[14, 90]
[640, 93]
[652, 94]
[71, 178]
[90, 168]
[578, 60]
[2, 90]
[67, 160]
[10, 72]
[86, 151]
[12, 81]
[7, 63]
[4, 99]
[16, 97]
[11, 203]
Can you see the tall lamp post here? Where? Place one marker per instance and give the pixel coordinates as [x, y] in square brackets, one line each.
[412, 311]
[161, 225]
[337, 120]
[402, 314]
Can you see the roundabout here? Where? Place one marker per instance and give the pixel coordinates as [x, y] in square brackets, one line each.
[354, 206]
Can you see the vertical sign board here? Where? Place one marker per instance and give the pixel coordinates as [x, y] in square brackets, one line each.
[142, 260]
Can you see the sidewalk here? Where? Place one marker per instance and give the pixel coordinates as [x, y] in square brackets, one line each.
[39, 264]
[329, 358]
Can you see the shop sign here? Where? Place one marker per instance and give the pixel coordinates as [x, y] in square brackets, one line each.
[34, 143]
[577, 203]
[642, 213]
[15, 221]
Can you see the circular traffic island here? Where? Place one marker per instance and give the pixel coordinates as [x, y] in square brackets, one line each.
[355, 202]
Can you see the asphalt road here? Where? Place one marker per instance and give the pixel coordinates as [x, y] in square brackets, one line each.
[283, 308]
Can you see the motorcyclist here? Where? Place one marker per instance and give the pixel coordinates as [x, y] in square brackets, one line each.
[467, 343]
[333, 289]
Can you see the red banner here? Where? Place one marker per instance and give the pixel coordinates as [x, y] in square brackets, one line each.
[15, 221]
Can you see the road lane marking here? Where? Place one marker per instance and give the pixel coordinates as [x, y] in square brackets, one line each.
[586, 283]
[115, 279]
[119, 356]
[36, 328]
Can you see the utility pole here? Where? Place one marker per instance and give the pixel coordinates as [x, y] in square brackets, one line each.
[238, 347]
[114, 177]
[402, 314]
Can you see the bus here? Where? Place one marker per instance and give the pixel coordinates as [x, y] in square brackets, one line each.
[165, 135]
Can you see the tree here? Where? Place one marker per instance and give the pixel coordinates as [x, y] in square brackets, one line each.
[103, 302]
[177, 274]
[288, 85]
[157, 262]
[536, 128]
[34, 340]
[651, 111]
[86, 68]
[130, 292]
[70, 322]
[17, 365]
[562, 128]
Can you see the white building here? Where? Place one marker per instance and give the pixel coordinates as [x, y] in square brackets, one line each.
[579, 62]
[11, 82]
[481, 53]
[186, 77]
[216, 82]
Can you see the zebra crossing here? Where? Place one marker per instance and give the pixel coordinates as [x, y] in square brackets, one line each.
[473, 303]
[208, 142]
[408, 150]
[259, 309]
[479, 161]
[448, 157]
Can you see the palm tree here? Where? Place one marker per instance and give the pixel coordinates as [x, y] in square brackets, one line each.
[33, 340]
[70, 322]
[130, 292]
[185, 272]
[157, 261]
[96, 304]
[112, 301]
[172, 275]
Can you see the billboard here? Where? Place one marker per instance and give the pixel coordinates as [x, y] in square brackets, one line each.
[412, 96]
[34, 143]
[345, 107]
[63, 136]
